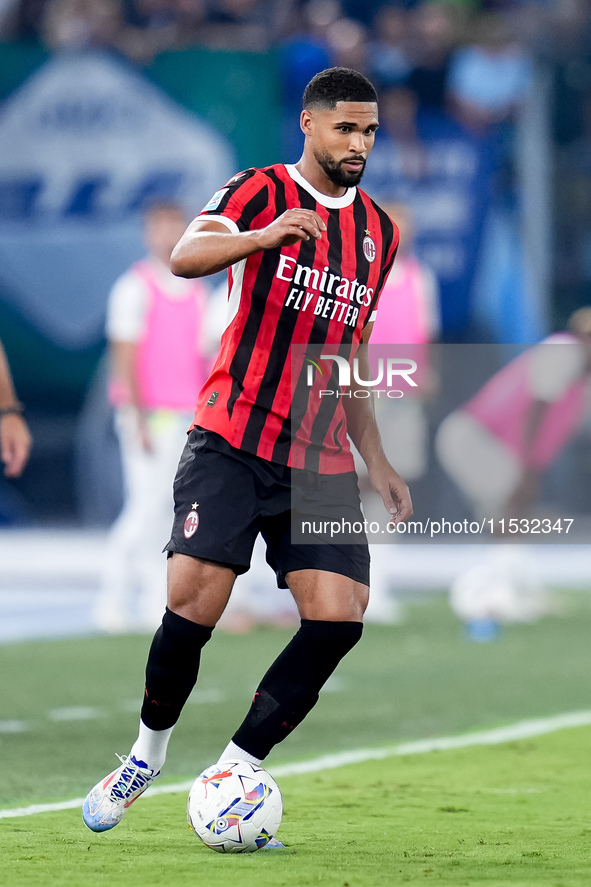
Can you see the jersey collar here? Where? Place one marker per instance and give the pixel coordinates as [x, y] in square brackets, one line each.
[323, 199]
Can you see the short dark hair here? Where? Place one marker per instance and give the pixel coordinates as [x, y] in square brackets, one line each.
[338, 85]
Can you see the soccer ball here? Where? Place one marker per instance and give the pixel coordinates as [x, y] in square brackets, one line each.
[235, 807]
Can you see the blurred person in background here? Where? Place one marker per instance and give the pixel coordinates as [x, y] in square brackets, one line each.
[496, 446]
[15, 439]
[242, 24]
[389, 60]
[152, 26]
[408, 314]
[348, 41]
[191, 22]
[77, 24]
[488, 79]
[409, 311]
[567, 56]
[399, 131]
[364, 10]
[155, 328]
[138, 29]
[8, 18]
[434, 29]
[20, 19]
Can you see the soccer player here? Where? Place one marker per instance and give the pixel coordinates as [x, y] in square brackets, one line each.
[15, 439]
[308, 253]
[155, 329]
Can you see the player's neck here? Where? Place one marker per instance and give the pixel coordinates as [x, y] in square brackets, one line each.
[315, 176]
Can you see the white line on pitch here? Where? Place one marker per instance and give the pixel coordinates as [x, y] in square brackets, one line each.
[74, 713]
[510, 733]
[13, 726]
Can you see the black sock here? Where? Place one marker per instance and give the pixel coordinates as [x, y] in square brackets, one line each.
[171, 672]
[290, 688]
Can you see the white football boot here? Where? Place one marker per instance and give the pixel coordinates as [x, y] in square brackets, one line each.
[109, 800]
[273, 844]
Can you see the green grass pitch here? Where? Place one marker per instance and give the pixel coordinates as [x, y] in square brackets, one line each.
[516, 814]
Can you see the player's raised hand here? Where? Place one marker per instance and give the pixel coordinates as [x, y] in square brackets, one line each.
[294, 225]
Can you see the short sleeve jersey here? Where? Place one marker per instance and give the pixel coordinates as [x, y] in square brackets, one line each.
[316, 292]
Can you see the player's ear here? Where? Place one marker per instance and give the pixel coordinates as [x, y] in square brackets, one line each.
[306, 122]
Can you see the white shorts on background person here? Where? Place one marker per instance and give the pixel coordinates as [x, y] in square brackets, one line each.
[133, 582]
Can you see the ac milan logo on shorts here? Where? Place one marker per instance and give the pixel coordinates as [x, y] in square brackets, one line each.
[191, 524]
[369, 248]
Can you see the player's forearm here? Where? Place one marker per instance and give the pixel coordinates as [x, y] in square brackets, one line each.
[124, 367]
[7, 393]
[363, 429]
[201, 253]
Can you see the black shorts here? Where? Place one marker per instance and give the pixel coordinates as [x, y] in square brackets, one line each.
[225, 497]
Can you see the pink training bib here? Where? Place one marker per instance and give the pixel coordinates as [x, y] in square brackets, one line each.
[403, 311]
[170, 367]
[502, 406]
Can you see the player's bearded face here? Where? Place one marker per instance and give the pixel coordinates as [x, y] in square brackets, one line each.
[337, 172]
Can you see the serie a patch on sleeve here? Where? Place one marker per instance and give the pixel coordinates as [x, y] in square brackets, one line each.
[215, 200]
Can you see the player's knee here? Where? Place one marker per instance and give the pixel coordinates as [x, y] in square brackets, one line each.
[178, 641]
[362, 600]
[353, 609]
[343, 608]
[334, 639]
[198, 590]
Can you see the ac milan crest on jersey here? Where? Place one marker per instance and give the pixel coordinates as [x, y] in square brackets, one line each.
[314, 292]
[191, 523]
[369, 248]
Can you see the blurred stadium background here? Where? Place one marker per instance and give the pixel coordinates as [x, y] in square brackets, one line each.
[104, 104]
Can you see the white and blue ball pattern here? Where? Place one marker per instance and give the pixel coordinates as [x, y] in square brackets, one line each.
[235, 807]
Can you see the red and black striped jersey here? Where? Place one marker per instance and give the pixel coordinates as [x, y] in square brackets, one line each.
[317, 292]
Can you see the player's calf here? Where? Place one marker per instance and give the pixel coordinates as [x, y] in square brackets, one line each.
[290, 688]
[171, 672]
